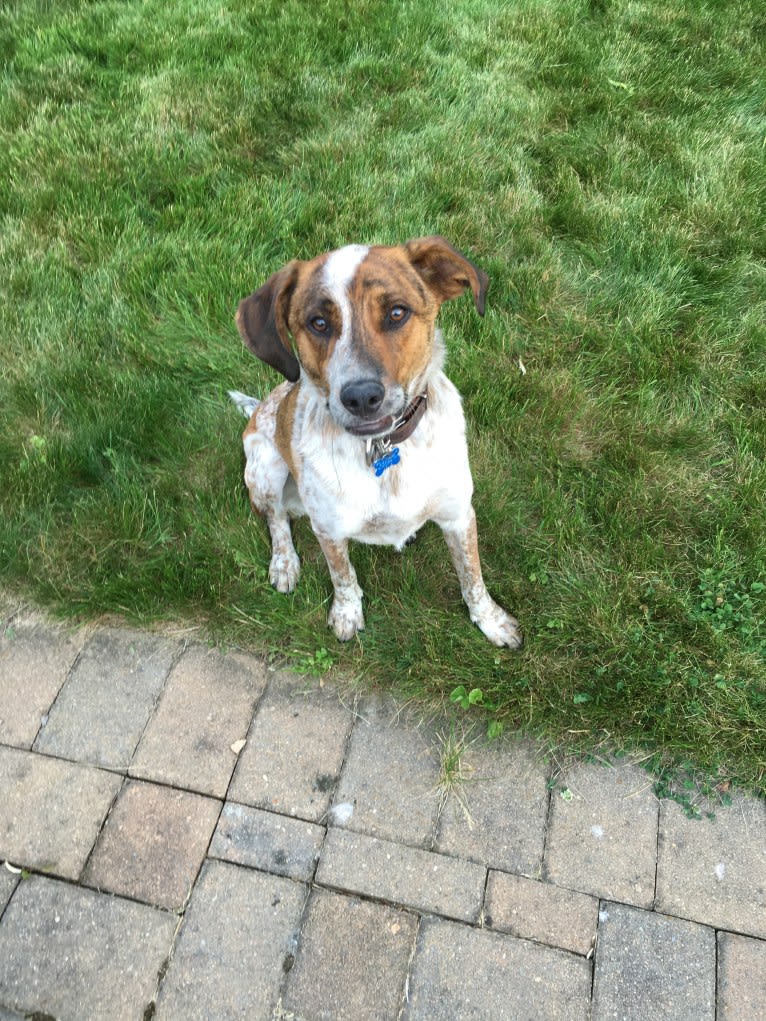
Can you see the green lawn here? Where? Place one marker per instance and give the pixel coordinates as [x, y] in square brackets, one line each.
[605, 162]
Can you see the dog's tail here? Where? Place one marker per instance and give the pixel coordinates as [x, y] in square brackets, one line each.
[246, 405]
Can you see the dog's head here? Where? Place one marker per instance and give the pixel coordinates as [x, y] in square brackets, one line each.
[362, 322]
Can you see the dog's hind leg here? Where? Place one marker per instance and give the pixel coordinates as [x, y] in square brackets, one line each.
[498, 626]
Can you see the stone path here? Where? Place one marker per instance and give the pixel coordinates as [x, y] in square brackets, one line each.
[191, 835]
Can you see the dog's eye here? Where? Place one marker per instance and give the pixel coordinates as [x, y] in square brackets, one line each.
[318, 324]
[397, 315]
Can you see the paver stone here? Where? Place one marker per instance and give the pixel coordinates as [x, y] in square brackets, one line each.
[35, 658]
[295, 749]
[239, 933]
[389, 787]
[357, 863]
[103, 707]
[204, 712]
[152, 844]
[602, 837]
[72, 954]
[652, 966]
[542, 912]
[741, 978]
[714, 871]
[461, 973]
[279, 844]
[497, 815]
[51, 811]
[352, 961]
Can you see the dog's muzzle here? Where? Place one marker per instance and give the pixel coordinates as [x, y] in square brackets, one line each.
[364, 399]
[394, 428]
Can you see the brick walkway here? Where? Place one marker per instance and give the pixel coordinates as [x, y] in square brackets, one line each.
[201, 837]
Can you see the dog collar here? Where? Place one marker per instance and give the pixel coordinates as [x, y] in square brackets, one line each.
[381, 452]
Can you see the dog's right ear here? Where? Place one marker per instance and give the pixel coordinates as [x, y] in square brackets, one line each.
[262, 322]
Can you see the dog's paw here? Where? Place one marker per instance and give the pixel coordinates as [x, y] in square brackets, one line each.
[346, 618]
[499, 627]
[284, 570]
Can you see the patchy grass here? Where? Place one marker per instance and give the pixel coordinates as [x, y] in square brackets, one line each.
[603, 161]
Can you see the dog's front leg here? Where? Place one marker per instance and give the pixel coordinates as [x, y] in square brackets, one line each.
[498, 626]
[346, 616]
[265, 477]
[284, 567]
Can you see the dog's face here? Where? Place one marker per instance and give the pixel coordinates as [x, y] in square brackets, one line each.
[363, 324]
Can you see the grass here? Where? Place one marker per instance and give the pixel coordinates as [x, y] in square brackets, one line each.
[603, 161]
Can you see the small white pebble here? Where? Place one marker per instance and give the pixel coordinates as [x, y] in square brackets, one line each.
[341, 813]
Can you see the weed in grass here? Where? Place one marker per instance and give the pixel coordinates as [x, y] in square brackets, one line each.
[317, 664]
[475, 697]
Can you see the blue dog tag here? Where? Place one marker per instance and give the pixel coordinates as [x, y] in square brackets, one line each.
[387, 461]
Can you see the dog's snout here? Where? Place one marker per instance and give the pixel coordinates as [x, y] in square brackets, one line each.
[363, 398]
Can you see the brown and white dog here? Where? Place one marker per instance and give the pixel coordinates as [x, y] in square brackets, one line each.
[367, 436]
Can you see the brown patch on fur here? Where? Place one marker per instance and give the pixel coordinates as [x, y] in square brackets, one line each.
[445, 271]
[309, 299]
[284, 431]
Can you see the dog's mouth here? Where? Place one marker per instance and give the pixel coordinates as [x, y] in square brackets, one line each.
[398, 427]
[377, 428]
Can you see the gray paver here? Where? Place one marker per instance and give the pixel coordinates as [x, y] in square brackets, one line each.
[390, 778]
[715, 871]
[51, 811]
[652, 966]
[35, 658]
[602, 839]
[152, 845]
[295, 749]
[104, 705]
[506, 794]
[73, 953]
[205, 709]
[741, 978]
[275, 843]
[402, 875]
[542, 912]
[475, 974]
[7, 1015]
[8, 883]
[238, 935]
[352, 961]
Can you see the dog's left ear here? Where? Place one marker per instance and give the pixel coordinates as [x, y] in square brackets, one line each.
[445, 271]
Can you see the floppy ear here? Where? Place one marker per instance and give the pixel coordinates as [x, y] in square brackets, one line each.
[262, 322]
[445, 271]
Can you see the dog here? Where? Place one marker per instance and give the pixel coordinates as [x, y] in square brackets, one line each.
[367, 434]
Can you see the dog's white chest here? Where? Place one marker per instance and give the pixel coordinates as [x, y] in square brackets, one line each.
[345, 499]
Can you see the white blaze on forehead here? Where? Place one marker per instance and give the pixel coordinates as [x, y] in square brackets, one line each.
[339, 271]
[337, 276]
[341, 265]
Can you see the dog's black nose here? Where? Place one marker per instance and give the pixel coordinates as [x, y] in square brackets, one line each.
[363, 398]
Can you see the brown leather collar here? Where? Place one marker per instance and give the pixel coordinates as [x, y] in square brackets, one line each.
[406, 424]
